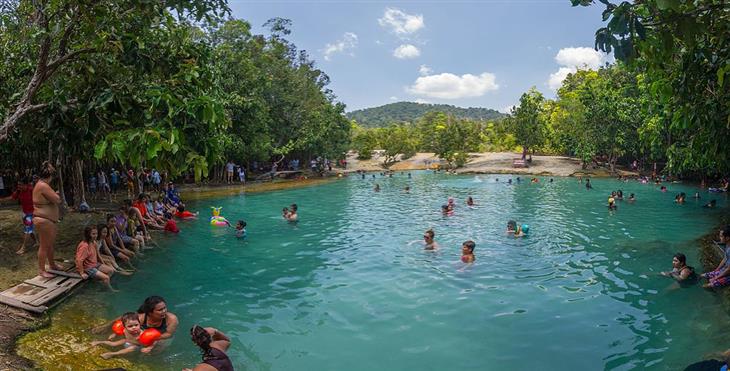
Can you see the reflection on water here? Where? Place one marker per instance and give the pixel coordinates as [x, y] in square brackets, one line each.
[349, 286]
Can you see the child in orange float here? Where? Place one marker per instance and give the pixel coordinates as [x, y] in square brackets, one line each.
[132, 330]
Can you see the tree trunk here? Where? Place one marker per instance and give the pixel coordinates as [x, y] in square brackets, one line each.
[524, 153]
[59, 168]
[79, 183]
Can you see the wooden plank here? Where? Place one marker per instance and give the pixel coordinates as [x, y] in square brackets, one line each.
[22, 291]
[19, 304]
[50, 295]
[42, 281]
[65, 274]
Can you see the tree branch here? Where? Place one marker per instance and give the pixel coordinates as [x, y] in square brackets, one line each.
[63, 59]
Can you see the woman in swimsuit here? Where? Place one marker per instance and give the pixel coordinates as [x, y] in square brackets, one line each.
[45, 218]
[153, 314]
[213, 345]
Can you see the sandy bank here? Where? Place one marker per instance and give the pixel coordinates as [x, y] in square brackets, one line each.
[486, 163]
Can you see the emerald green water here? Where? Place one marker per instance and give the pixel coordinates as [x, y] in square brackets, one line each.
[347, 289]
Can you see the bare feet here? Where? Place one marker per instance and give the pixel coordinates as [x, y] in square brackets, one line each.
[106, 355]
[124, 272]
[46, 274]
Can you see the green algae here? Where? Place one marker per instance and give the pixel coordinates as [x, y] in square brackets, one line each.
[66, 345]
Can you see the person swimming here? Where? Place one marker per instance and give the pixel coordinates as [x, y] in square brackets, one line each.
[680, 270]
[511, 227]
[711, 204]
[470, 201]
[611, 202]
[588, 184]
[446, 211]
[467, 252]
[407, 189]
[377, 187]
[632, 198]
[241, 229]
[428, 240]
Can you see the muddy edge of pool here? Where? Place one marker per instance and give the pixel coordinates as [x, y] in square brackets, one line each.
[14, 323]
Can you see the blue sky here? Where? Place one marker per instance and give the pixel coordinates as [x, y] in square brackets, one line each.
[479, 53]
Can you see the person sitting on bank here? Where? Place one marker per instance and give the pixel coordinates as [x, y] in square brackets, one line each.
[87, 259]
[719, 276]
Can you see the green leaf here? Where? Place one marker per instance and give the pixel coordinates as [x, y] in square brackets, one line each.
[100, 149]
[667, 4]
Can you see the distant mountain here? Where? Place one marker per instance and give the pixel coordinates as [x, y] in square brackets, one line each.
[410, 112]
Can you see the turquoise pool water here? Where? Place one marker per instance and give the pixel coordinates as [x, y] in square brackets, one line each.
[350, 288]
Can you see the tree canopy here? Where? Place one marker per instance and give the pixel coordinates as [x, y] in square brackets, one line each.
[165, 84]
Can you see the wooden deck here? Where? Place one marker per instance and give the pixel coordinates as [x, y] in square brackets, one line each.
[38, 294]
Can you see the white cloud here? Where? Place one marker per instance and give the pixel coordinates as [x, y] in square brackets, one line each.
[400, 23]
[394, 98]
[574, 59]
[556, 79]
[425, 70]
[507, 109]
[450, 86]
[347, 43]
[580, 58]
[422, 101]
[406, 51]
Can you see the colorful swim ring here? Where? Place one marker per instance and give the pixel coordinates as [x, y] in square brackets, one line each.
[525, 228]
[716, 190]
[217, 219]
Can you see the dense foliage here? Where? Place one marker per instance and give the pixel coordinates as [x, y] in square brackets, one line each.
[680, 50]
[163, 84]
[409, 112]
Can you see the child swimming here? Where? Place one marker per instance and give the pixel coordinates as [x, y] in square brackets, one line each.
[511, 225]
[467, 252]
[132, 330]
[285, 213]
[241, 229]
[611, 202]
[446, 211]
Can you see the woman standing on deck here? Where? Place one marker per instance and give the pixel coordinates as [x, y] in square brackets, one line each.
[45, 218]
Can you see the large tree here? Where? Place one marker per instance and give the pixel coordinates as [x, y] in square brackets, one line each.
[683, 50]
[44, 40]
[528, 121]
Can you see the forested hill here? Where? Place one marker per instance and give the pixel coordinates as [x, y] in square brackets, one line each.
[410, 112]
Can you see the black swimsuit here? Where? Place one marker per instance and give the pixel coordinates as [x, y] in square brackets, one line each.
[218, 360]
[162, 328]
